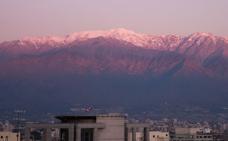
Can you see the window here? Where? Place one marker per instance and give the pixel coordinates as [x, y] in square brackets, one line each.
[87, 134]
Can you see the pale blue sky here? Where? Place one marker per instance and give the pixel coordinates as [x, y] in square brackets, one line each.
[19, 18]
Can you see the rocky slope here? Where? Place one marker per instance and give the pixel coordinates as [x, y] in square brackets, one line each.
[116, 68]
[119, 51]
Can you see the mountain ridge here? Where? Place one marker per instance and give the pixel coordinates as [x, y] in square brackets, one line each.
[115, 69]
[203, 53]
[120, 33]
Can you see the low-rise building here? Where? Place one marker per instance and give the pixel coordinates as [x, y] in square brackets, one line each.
[153, 136]
[159, 136]
[191, 134]
[9, 136]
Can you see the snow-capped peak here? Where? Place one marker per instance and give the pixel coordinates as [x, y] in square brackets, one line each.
[119, 34]
[163, 42]
[45, 39]
[122, 31]
[226, 39]
[101, 33]
[201, 36]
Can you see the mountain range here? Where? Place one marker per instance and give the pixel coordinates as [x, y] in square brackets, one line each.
[119, 50]
[114, 67]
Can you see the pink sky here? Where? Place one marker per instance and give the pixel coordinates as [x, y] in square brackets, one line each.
[20, 18]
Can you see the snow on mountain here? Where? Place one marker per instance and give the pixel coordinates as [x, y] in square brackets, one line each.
[165, 42]
[201, 37]
[199, 43]
[141, 40]
[226, 39]
[49, 40]
[114, 64]
[119, 34]
[124, 51]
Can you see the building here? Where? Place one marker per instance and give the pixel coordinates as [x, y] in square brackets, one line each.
[153, 136]
[108, 127]
[191, 134]
[9, 136]
[159, 136]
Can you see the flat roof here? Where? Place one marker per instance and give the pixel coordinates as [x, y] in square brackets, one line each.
[70, 118]
[67, 118]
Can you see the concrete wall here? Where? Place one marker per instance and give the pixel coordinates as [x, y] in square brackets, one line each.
[139, 136]
[153, 136]
[8, 135]
[114, 128]
[159, 136]
[187, 130]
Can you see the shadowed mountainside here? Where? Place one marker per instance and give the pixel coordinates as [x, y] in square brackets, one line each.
[114, 68]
